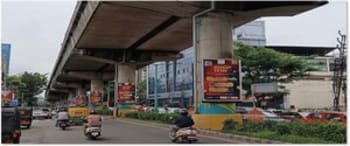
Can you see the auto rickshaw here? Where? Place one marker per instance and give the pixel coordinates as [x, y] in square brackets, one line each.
[26, 116]
[10, 125]
[77, 115]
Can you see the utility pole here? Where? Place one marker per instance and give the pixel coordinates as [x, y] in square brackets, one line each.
[339, 80]
[156, 90]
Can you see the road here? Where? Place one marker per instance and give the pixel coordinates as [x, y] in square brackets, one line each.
[113, 132]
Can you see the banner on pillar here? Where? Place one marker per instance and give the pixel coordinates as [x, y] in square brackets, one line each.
[79, 100]
[7, 96]
[95, 97]
[126, 93]
[221, 80]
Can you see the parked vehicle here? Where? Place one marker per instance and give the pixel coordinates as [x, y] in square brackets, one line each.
[47, 113]
[53, 113]
[10, 125]
[26, 116]
[245, 106]
[40, 114]
[259, 115]
[321, 117]
[291, 116]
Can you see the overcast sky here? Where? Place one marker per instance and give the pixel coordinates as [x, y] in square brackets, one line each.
[36, 29]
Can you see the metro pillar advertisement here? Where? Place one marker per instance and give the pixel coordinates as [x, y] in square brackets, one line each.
[221, 80]
[126, 93]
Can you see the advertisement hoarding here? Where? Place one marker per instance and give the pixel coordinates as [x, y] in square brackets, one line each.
[221, 80]
[5, 58]
[126, 93]
[7, 96]
[95, 97]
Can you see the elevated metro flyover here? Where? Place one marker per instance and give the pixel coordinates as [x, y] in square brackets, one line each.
[102, 34]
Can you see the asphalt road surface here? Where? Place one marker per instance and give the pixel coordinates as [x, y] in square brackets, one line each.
[113, 132]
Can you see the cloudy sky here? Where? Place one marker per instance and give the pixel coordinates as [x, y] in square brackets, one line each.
[36, 29]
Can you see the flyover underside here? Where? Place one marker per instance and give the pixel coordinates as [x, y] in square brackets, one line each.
[102, 34]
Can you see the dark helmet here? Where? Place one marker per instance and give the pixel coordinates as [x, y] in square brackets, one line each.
[93, 112]
[184, 112]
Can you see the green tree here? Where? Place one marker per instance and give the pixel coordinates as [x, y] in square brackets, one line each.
[141, 92]
[27, 86]
[264, 65]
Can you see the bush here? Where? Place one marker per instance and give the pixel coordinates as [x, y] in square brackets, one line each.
[104, 111]
[152, 116]
[283, 128]
[229, 124]
[290, 131]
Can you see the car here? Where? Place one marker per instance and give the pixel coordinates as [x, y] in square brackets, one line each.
[322, 117]
[53, 113]
[47, 111]
[291, 116]
[41, 114]
[244, 106]
[259, 115]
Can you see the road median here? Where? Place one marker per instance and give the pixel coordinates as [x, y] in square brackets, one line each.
[205, 133]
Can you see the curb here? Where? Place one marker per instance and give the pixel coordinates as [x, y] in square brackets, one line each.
[250, 140]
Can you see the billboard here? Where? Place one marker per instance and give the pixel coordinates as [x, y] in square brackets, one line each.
[5, 58]
[95, 97]
[79, 100]
[221, 80]
[7, 96]
[126, 93]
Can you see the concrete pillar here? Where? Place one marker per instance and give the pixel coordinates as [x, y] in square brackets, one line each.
[81, 93]
[71, 97]
[125, 73]
[214, 41]
[96, 93]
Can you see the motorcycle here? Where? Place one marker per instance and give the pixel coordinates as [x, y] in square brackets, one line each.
[63, 124]
[183, 135]
[92, 132]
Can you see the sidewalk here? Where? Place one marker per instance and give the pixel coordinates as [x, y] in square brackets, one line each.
[230, 137]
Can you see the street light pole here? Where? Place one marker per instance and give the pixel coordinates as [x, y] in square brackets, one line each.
[155, 89]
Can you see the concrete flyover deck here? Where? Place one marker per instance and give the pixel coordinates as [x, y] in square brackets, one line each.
[104, 33]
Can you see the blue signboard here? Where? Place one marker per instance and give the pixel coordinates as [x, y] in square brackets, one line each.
[5, 58]
[14, 102]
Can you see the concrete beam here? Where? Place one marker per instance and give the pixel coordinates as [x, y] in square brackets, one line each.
[114, 56]
[59, 90]
[82, 14]
[68, 85]
[94, 58]
[90, 75]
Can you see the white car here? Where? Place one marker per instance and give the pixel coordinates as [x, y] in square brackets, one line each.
[40, 114]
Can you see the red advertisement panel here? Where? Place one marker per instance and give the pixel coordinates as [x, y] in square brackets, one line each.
[7, 96]
[95, 97]
[221, 80]
[126, 93]
[79, 100]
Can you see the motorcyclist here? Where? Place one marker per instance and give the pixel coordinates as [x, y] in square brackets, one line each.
[62, 116]
[182, 122]
[93, 120]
